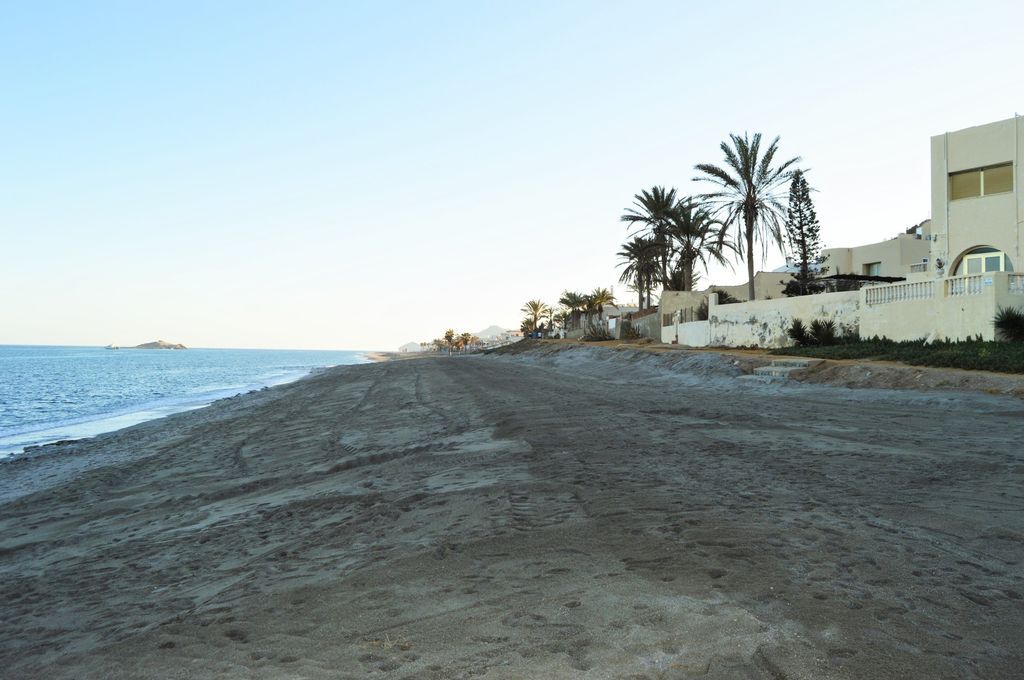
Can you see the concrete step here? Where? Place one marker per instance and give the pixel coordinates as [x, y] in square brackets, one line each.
[779, 371]
[796, 362]
[781, 368]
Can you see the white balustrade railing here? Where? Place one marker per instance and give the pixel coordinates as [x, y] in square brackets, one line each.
[899, 292]
[964, 285]
[919, 267]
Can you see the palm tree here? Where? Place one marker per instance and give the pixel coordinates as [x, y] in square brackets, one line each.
[574, 303]
[589, 307]
[694, 236]
[466, 339]
[599, 298]
[652, 210]
[748, 194]
[449, 338]
[641, 266]
[534, 310]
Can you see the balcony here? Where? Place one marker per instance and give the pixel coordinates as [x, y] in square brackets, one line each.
[957, 308]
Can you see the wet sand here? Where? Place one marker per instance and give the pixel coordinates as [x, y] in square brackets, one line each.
[582, 513]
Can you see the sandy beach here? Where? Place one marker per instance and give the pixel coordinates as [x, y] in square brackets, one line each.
[569, 513]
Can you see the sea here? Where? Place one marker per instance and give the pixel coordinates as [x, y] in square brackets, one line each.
[49, 394]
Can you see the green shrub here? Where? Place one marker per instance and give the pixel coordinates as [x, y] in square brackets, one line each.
[798, 333]
[595, 333]
[976, 354]
[848, 334]
[794, 289]
[629, 331]
[1009, 321]
[823, 332]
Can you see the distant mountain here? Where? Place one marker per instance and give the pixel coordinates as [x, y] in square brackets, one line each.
[491, 332]
[157, 344]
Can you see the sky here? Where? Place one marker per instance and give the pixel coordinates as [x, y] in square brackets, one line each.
[357, 175]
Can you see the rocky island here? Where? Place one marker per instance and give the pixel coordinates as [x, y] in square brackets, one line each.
[158, 344]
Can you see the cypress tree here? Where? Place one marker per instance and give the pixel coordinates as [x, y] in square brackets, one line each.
[802, 236]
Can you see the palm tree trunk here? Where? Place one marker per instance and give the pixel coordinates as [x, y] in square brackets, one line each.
[750, 257]
[663, 255]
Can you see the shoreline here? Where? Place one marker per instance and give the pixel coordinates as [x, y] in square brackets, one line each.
[82, 429]
[40, 467]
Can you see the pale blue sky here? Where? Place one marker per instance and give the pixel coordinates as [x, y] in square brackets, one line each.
[358, 175]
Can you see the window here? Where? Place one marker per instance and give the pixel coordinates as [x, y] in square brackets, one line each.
[983, 261]
[996, 179]
[873, 269]
[964, 184]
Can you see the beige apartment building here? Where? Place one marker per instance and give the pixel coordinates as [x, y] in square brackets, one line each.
[902, 255]
[977, 205]
[977, 210]
[976, 232]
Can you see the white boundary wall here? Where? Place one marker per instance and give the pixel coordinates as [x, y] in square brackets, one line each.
[955, 308]
[764, 323]
[689, 334]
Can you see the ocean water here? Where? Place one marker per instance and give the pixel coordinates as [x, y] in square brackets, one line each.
[53, 393]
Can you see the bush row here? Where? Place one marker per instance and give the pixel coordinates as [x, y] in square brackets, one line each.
[1005, 357]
